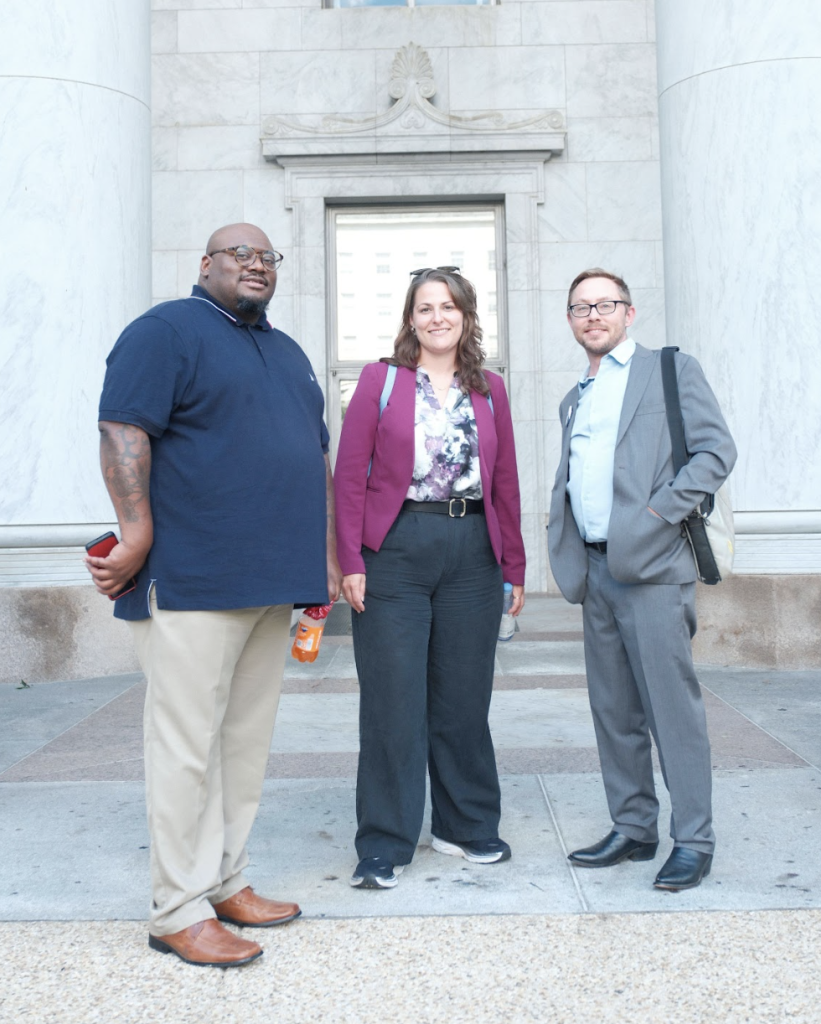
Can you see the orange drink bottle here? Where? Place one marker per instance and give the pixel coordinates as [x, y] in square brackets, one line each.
[309, 632]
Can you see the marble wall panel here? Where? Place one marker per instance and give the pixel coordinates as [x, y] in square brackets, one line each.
[279, 3]
[634, 261]
[741, 32]
[554, 388]
[568, 22]
[523, 324]
[283, 315]
[522, 266]
[43, 39]
[207, 88]
[651, 20]
[316, 82]
[164, 149]
[560, 350]
[188, 205]
[243, 31]
[534, 535]
[524, 391]
[78, 184]
[563, 215]
[649, 328]
[188, 268]
[521, 217]
[460, 26]
[193, 5]
[210, 148]
[164, 32]
[264, 203]
[611, 138]
[164, 273]
[390, 29]
[311, 333]
[623, 200]
[528, 434]
[507, 77]
[611, 80]
[322, 29]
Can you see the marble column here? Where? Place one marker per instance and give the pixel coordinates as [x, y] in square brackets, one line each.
[75, 253]
[740, 155]
[75, 250]
[740, 148]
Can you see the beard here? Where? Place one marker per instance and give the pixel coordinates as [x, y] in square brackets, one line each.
[252, 307]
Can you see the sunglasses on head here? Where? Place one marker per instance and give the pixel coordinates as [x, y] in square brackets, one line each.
[445, 270]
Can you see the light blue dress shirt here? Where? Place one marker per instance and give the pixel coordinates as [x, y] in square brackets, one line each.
[593, 442]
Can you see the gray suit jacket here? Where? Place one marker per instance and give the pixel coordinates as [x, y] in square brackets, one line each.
[642, 548]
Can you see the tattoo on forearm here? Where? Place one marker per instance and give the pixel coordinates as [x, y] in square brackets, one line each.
[125, 455]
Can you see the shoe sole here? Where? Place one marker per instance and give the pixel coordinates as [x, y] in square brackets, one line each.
[638, 855]
[163, 947]
[375, 882]
[258, 924]
[667, 887]
[452, 850]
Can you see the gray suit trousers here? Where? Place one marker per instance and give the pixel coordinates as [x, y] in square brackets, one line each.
[641, 680]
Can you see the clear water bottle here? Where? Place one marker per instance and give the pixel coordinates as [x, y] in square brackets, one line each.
[309, 631]
[507, 627]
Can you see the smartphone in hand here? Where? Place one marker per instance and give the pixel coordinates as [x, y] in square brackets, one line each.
[101, 547]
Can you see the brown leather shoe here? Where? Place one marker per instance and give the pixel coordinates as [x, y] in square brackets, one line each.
[207, 944]
[247, 909]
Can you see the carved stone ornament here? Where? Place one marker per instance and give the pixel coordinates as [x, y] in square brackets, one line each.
[413, 125]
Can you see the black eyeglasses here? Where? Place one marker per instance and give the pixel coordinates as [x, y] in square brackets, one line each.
[246, 256]
[445, 270]
[582, 309]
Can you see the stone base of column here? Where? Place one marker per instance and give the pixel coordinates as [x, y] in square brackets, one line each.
[760, 622]
[57, 633]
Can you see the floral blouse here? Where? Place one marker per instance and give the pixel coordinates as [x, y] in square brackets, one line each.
[446, 462]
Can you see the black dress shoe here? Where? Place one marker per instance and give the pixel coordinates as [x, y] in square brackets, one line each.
[683, 869]
[611, 850]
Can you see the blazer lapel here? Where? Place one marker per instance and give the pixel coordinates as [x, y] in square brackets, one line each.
[641, 369]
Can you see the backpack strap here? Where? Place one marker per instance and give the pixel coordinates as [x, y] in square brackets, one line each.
[386, 390]
[390, 379]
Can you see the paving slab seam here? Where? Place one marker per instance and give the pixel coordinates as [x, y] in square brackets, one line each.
[48, 742]
[763, 729]
[581, 897]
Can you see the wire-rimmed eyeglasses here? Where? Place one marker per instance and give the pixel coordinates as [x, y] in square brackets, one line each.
[582, 309]
[246, 256]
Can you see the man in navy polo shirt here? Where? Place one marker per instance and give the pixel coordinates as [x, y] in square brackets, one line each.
[214, 452]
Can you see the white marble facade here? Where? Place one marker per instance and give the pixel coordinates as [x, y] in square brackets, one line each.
[223, 71]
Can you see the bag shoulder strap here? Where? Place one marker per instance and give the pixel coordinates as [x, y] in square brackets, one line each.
[390, 379]
[672, 403]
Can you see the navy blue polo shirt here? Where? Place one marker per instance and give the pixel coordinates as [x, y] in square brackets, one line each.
[235, 418]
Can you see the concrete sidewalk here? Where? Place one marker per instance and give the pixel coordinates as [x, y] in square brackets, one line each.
[531, 939]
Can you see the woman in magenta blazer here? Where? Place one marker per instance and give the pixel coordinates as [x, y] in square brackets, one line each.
[428, 528]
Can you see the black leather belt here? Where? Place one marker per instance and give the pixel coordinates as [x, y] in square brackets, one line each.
[598, 545]
[456, 508]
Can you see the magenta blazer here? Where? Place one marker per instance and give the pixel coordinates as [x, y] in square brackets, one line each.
[367, 506]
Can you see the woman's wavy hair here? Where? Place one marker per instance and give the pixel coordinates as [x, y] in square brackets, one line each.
[469, 355]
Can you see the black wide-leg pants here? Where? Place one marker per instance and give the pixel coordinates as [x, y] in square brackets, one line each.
[425, 647]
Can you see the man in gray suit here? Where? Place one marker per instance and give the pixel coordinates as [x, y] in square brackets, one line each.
[617, 548]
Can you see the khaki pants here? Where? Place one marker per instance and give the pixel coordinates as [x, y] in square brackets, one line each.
[214, 680]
